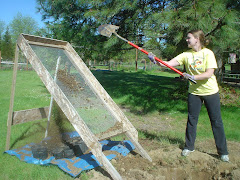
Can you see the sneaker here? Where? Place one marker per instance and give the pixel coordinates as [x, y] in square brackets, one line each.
[224, 158]
[186, 152]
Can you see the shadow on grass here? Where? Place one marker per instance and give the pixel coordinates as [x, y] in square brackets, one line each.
[29, 135]
[171, 140]
[143, 93]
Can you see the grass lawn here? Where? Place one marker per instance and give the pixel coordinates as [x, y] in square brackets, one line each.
[142, 92]
[30, 93]
[146, 93]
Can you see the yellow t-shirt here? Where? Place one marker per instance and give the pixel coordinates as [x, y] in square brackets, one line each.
[197, 63]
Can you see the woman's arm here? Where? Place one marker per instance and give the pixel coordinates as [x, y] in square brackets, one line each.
[173, 62]
[206, 75]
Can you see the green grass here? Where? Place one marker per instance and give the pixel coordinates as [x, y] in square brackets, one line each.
[140, 91]
[30, 93]
[144, 93]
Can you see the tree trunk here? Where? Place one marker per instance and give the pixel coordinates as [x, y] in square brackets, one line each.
[136, 62]
[0, 60]
[218, 72]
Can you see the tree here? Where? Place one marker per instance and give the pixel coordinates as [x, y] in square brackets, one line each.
[44, 32]
[77, 21]
[22, 24]
[156, 24]
[219, 19]
[68, 23]
[2, 27]
[7, 46]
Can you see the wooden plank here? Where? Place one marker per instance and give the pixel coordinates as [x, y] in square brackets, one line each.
[105, 135]
[10, 113]
[229, 74]
[106, 163]
[138, 146]
[41, 40]
[228, 79]
[29, 115]
[46, 45]
[0, 59]
[235, 78]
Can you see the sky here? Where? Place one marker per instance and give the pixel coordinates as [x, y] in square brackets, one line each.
[10, 8]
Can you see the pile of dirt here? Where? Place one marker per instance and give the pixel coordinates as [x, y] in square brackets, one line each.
[169, 164]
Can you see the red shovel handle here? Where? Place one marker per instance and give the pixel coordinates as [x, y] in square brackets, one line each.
[161, 61]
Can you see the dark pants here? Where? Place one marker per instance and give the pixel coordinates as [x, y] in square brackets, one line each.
[212, 103]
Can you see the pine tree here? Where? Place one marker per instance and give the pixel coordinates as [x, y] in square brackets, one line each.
[7, 47]
[219, 19]
[156, 24]
[2, 26]
[0, 43]
[77, 22]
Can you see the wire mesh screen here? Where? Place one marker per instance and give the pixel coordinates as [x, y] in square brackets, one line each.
[75, 87]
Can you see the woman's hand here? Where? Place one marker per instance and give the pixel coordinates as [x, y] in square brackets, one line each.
[151, 56]
[187, 76]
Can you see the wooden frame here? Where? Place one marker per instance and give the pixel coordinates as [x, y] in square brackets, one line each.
[91, 140]
[29, 115]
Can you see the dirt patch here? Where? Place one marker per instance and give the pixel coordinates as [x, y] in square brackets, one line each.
[228, 95]
[167, 161]
[169, 164]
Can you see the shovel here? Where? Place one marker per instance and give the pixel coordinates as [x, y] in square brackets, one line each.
[108, 30]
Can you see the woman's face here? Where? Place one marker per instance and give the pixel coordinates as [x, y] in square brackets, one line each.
[191, 40]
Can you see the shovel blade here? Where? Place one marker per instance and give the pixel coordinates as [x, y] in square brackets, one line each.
[107, 29]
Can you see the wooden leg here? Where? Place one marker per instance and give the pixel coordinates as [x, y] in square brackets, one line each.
[138, 147]
[10, 113]
[97, 152]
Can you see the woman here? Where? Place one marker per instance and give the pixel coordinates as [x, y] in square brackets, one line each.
[200, 63]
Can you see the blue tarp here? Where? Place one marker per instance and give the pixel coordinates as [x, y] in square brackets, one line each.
[75, 165]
